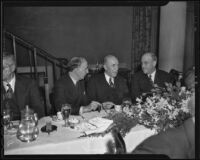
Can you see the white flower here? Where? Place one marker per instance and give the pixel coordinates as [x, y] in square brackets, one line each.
[170, 106]
[139, 100]
[183, 89]
[175, 113]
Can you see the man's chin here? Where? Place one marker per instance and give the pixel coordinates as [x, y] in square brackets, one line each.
[145, 72]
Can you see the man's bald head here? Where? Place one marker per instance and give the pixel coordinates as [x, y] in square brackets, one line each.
[111, 64]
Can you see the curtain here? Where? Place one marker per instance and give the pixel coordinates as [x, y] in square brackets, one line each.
[144, 33]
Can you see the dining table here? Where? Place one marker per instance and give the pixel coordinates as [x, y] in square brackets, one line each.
[67, 140]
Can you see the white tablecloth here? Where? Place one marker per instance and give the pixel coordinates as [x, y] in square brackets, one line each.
[67, 141]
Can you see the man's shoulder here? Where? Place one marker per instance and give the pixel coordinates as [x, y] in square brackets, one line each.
[24, 79]
[162, 72]
[138, 74]
[120, 78]
[63, 79]
[97, 77]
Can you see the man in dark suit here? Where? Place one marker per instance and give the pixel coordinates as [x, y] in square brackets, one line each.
[108, 88]
[143, 81]
[70, 88]
[18, 91]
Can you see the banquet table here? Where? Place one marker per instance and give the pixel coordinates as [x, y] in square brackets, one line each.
[68, 141]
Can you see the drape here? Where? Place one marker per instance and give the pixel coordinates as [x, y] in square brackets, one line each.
[144, 33]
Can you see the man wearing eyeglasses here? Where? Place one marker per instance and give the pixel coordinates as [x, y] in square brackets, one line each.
[18, 91]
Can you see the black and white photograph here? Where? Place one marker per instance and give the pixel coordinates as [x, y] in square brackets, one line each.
[100, 79]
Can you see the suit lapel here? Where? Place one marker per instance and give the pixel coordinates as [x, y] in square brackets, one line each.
[3, 91]
[156, 79]
[104, 80]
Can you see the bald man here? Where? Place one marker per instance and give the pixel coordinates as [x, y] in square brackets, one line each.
[143, 81]
[108, 86]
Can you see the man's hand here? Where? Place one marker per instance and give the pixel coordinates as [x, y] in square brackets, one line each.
[94, 105]
[91, 107]
[108, 105]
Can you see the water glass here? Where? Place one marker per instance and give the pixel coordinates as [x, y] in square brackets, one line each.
[66, 110]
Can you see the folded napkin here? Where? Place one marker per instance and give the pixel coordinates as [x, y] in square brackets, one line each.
[94, 125]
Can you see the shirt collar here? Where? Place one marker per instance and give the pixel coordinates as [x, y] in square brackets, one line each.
[108, 77]
[73, 80]
[12, 84]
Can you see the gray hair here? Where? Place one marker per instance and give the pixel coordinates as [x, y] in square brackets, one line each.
[75, 62]
[153, 56]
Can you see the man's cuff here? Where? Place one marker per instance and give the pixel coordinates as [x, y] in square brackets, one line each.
[81, 110]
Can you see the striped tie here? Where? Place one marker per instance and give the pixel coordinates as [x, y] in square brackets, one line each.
[9, 92]
[111, 83]
[150, 78]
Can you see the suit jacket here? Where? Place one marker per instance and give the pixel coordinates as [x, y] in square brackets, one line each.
[141, 83]
[66, 92]
[99, 90]
[174, 142]
[26, 93]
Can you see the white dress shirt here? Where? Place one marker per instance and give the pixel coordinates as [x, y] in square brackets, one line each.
[152, 75]
[73, 80]
[12, 84]
[108, 78]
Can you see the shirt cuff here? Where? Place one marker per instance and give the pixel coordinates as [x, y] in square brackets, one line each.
[81, 110]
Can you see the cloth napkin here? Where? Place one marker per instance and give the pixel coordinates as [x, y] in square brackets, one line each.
[101, 123]
[94, 125]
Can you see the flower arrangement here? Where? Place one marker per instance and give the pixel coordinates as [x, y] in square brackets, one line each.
[163, 108]
[123, 122]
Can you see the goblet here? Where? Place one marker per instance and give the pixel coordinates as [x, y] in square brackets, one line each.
[7, 117]
[35, 115]
[66, 110]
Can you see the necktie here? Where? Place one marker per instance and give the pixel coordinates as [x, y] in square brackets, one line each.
[9, 92]
[111, 83]
[150, 79]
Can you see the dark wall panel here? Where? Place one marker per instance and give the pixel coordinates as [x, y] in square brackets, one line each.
[91, 32]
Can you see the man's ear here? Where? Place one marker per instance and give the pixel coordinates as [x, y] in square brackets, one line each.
[154, 63]
[104, 66]
[13, 67]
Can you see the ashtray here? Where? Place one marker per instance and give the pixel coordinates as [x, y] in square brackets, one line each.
[50, 129]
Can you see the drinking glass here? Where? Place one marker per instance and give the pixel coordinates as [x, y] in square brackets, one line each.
[35, 115]
[66, 110]
[7, 117]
